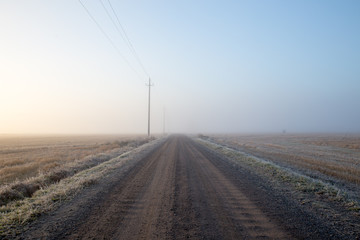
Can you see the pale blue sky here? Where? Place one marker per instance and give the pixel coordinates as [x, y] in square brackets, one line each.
[218, 66]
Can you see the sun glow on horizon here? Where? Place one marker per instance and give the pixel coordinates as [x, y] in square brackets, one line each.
[228, 67]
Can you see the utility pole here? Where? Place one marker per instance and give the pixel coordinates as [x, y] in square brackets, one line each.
[164, 121]
[149, 85]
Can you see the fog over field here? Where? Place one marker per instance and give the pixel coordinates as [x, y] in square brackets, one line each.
[217, 66]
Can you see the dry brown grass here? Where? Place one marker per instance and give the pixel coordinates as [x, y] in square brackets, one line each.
[31, 163]
[328, 156]
[340, 142]
[22, 157]
[15, 214]
[308, 188]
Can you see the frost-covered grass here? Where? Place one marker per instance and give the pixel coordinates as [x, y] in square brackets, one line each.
[23, 157]
[296, 180]
[329, 157]
[19, 212]
[24, 188]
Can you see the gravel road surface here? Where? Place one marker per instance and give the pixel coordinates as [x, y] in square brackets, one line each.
[180, 190]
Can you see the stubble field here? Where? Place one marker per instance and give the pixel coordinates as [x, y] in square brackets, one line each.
[204, 187]
[28, 163]
[331, 158]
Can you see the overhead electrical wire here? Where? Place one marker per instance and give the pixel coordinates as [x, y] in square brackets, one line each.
[109, 39]
[131, 46]
[112, 20]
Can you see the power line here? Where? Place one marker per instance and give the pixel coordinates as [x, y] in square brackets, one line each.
[109, 39]
[121, 34]
[128, 40]
[112, 20]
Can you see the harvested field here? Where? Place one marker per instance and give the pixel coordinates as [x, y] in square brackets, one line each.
[334, 159]
[177, 188]
[22, 157]
[30, 163]
[183, 188]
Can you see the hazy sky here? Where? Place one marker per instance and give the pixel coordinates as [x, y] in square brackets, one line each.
[217, 66]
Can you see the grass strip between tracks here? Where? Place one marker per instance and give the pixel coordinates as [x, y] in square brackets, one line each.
[297, 181]
[18, 213]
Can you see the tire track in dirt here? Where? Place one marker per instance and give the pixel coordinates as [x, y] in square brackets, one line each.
[180, 190]
[139, 209]
[225, 210]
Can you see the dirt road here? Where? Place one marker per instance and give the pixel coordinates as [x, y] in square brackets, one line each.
[180, 190]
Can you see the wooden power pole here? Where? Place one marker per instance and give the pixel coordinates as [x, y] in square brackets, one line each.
[149, 85]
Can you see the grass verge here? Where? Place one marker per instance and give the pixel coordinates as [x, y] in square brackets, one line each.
[19, 212]
[297, 181]
[19, 190]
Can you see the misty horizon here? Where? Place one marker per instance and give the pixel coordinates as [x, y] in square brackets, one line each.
[235, 67]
